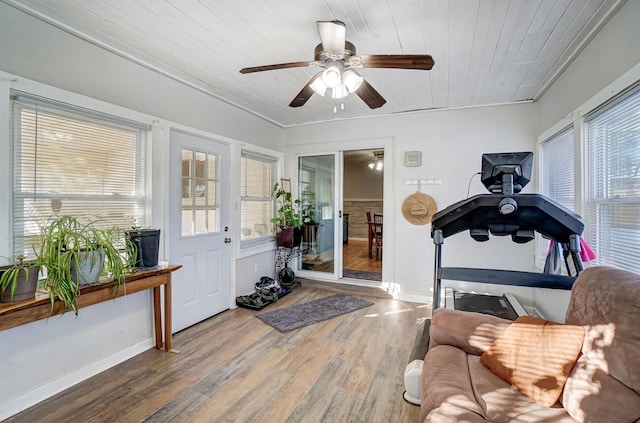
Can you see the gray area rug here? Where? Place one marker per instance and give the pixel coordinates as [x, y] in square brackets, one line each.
[301, 315]
[361, 274]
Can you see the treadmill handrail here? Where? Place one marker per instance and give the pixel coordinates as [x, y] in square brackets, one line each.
[535, 212]
[507, 277]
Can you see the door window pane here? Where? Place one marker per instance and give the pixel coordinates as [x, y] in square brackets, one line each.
[199, 188]
[316, 182]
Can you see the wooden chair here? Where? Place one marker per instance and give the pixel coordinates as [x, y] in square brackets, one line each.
[375, 234]
[377, 224]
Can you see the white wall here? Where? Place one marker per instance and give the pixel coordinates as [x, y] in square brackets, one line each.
[452, 143]
[246, 274]
[47, 356]
[612, 52]
[360, 182]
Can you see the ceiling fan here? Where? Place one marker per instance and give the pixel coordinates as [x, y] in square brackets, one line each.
[339, 78]
[378, 160]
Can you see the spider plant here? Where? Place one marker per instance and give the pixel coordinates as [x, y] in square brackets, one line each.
[64, 243]
[20, 277]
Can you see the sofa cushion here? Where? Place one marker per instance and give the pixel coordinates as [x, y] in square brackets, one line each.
[448, 413]
[445, 381]
[536, 356]
[471, 332]
[502, 402]
[608, 301]
[590, 395]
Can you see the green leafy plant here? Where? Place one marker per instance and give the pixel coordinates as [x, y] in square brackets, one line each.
[65, 241]
[287, 215]
[308, 208]
[10, 275]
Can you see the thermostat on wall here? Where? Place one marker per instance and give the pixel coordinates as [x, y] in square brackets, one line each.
[413, 158]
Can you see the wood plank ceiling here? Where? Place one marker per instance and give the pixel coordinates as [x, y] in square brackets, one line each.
[485, 51]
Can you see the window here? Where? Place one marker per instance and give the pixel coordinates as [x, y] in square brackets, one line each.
[257, 204]
[199, 193]
[72, 161]
[613, 183]
[558, 169]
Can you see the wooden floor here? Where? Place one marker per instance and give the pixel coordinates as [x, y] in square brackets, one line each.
[355, 256]
[234, 368]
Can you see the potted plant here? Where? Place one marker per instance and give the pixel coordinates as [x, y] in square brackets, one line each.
[145, 245]
[309, 218]
[76, 254]
[286, 223]
[19, 280]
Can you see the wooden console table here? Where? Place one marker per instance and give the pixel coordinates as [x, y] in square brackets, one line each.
[27, 311]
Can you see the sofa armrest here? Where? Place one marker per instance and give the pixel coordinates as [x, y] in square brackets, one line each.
[472, 332]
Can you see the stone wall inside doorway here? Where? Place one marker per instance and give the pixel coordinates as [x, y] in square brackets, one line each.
[357, 210]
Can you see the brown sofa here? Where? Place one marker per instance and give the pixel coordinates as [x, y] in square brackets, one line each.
[603, 386]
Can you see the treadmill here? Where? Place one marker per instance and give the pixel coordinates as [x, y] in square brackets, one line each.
[507, 212]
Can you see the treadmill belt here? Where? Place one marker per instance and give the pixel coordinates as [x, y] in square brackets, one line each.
[486, 304]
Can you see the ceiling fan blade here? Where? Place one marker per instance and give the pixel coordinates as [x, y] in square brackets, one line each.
[278, 66]
[398, 61]
[333, 35]
[304, 94]
[369, 95]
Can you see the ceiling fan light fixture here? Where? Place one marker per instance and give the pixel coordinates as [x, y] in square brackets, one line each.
[378, 161]
[332, 76]
[339, 92]
[352, 80]
[318, 86]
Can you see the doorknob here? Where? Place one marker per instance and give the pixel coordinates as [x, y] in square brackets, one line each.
[227, 240]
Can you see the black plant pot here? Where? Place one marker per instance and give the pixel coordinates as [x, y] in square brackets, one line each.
[147, 244]
[288, 237]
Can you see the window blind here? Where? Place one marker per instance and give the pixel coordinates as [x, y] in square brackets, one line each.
[613, 183]
[558, 168]
[73, 161]
[257, 204]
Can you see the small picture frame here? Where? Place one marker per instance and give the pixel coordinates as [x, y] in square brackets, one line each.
[413, 158]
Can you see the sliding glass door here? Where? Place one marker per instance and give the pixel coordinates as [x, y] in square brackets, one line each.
[320, 214]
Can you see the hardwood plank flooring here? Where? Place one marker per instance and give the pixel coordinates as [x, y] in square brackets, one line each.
[356, 257]
[234, 368]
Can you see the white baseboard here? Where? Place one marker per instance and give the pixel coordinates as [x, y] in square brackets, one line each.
[421, 299]
[41, 393]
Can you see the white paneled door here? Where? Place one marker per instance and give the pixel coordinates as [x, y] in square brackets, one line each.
[198, 229]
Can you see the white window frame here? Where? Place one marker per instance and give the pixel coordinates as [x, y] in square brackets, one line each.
[544, 173]
[274, 163]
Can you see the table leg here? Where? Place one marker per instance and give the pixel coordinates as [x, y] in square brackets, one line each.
[370, 240]
[168, 342]
[157, 316]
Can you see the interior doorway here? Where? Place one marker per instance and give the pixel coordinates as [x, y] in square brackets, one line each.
[363, 182]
